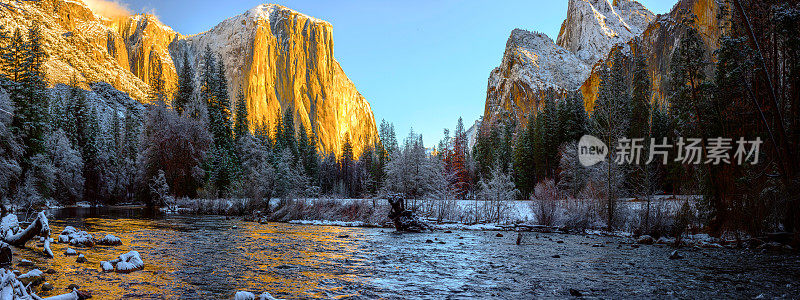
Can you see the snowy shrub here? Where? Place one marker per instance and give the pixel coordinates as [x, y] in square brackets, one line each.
[66, 167]
[10, 149]
[159, 189]
[497, 192]
[580, 213]
[257, 181]
[546, 198]
[175, 145]
[289, 180]
[27, 197]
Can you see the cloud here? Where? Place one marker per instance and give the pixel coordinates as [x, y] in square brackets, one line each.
[111, 9]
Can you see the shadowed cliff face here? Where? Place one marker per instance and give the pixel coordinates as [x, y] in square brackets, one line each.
[658, 43]
[282, 59]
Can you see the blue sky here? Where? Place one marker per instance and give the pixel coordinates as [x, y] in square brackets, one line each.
[419, 63]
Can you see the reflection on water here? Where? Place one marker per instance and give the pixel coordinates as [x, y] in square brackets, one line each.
[208, 257]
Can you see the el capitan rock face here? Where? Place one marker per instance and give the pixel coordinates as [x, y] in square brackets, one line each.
[284, 60]
[281, 58]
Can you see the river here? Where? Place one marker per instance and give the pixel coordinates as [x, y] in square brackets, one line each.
[211, 257]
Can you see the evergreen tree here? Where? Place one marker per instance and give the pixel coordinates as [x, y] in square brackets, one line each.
[287, 138]
[610, 122]
[460, 179]
[388, 138]
[347, 167]
[307, 149]
[223, 163]
[30, 96]
[486, 150]
[687, 84]
[242, 125]
[524, 158]
[640, 111]
[572, 118]
[185, 93]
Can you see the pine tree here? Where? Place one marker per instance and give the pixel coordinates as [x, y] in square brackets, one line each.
[388, 138]
[640, 111]
[242, 125]
[185, 93]
[460, 180]
[610, 122]
[287, 138]
[5, 56]
[572, 118]
[347, 166]
[687, 79]
[279, 142]
[486, 149]
[307, 149]
[524, 158]
[214, 87]
[31, 97]
[12, 62]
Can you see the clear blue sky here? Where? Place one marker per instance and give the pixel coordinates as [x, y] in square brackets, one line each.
[420, 63]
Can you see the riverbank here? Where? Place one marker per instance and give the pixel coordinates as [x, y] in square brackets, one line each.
[212, 257]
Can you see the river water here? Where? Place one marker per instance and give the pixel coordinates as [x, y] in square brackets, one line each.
[211, 257]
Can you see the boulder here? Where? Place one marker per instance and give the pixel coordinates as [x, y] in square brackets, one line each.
[675, 255]
[243, 295]
[106, 266]
[109, 240]
[645, 240]
[25, 263]
[34, 277]
[75, 237]
[70, 252]
[81, 259]
[5, 254]
[126, 263]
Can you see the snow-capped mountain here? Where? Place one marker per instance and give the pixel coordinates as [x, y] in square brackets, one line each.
[592, 27]
[532, 66]
[594, 33]
[281, 58]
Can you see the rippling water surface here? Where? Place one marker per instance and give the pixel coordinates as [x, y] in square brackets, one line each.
[209, 257]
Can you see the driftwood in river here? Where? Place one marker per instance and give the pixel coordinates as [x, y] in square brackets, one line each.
[11, 233]
[404, 220]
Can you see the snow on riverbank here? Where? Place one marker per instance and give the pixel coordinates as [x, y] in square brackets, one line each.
[331, 223]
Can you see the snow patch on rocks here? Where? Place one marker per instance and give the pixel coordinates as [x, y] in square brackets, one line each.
[244, 295]
[109, 240]
[329, 223]
[76, 237]
[125, 263]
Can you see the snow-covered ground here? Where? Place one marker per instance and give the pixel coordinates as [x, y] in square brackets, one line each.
[476, 215]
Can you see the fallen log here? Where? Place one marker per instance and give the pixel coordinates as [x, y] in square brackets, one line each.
[39, 227]
[12, 234]
[403, 219]
[12, 288]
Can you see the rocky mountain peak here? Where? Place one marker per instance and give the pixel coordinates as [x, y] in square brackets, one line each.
[593, 27]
